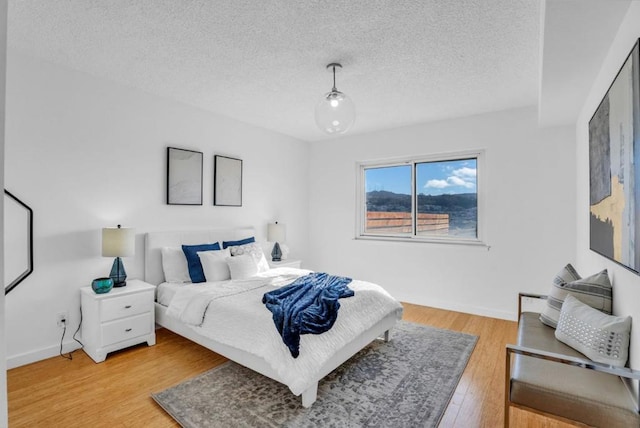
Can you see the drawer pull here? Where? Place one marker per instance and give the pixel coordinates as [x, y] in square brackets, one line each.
[128, 330]
[128, 307]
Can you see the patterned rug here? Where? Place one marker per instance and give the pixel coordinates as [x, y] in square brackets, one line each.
[406, 382]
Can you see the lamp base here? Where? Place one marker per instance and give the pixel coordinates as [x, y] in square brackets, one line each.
[276, 253]
[118, 274]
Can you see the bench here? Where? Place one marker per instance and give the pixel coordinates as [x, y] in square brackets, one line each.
[546, 376]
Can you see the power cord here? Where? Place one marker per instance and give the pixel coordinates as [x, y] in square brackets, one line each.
[69, 355]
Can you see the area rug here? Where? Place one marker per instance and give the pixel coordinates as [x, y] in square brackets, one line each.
[406, 382]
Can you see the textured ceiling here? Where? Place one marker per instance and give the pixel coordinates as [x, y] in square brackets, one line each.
[263, 62]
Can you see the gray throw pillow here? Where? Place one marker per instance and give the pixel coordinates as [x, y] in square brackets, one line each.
[594, 291]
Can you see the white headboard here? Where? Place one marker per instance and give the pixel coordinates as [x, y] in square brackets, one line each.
[154, 241]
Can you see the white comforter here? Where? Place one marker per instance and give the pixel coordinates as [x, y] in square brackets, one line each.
[232, 313]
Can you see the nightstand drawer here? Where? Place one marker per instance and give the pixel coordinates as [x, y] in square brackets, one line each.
[125, 306]
[128, 328]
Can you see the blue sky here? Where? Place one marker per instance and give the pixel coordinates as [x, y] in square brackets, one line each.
[433, 178]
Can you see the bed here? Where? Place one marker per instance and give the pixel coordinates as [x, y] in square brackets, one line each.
[324, 352]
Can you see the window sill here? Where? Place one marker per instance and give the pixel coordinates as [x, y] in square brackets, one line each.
[465, 242]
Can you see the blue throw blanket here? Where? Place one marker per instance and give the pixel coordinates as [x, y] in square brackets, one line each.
[308, 305]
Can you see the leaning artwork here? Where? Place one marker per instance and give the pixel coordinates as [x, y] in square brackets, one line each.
[614, 168]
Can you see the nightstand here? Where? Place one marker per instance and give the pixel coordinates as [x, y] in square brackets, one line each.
[293, 263]
[115, 320]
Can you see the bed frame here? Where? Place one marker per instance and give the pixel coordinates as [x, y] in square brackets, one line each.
[154, 241]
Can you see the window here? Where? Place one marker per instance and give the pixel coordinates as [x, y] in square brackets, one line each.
[424, 199]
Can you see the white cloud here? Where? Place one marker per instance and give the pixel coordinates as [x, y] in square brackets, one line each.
[465, 172]
[438, 184]
[454, 180]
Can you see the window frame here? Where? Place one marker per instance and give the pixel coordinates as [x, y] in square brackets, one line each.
[361, 212]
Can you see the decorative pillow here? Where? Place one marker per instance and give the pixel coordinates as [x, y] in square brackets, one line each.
[242, 267]
[193, 261]
[214, 265]
[255, 251]
[249, 240]
[174, 265]
[602, 338]
[594, 291]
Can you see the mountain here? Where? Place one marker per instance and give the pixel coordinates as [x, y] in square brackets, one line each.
[462, 208]
[381, 200]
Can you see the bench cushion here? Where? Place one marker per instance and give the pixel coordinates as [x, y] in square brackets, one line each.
[582, 395]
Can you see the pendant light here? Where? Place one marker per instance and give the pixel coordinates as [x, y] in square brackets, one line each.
[335, 113]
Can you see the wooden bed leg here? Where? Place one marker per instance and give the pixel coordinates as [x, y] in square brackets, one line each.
[387, 335]
[309, 395]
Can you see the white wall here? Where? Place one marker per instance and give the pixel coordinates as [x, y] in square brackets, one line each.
[86, 153]
[3, 68]
[530, 185]
[626, 285]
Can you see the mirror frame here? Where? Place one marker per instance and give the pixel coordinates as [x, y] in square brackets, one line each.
[29, 269]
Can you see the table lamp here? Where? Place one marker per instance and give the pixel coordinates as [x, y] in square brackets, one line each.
[118, 242]
[276, 233]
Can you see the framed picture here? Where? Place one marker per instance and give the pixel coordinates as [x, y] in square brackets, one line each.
[184, 177]
[227, 181]
[614, 168]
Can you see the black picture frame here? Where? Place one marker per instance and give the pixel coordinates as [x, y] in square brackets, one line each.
[184, 176]
[614, 168]
[227, 181]
[29, 242]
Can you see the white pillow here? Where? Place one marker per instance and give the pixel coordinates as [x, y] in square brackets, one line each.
[242, 267]
[255, 251]
[214, 264]
[602, 338]
[174, 265]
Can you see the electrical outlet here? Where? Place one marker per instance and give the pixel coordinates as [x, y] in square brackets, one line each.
[61, 319]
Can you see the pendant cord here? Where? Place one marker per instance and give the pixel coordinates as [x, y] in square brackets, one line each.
[334, 79]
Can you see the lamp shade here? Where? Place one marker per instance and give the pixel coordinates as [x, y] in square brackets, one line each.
[276, 232]
[118, 242]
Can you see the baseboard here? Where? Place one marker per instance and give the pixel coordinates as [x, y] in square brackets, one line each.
[468, 309]
[40, 354]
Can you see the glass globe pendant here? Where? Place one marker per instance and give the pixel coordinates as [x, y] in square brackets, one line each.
[335, 113]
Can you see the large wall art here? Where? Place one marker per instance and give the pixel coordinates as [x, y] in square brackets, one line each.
[614, 168]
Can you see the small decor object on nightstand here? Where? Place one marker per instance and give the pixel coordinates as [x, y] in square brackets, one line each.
[118, 242]
[102, 285]
[276, 233]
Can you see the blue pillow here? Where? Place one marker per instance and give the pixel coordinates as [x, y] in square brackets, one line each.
[193, 261]
[226, 244]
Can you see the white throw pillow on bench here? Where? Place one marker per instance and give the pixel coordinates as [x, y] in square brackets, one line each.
[602, 338]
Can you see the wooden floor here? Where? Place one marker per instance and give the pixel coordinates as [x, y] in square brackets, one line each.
[79, 393]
